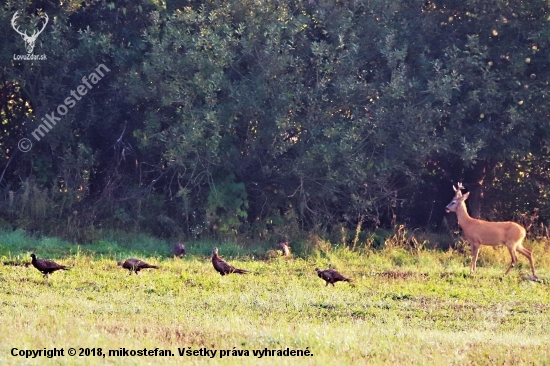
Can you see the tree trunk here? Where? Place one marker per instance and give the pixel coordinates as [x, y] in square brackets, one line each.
[475, 184]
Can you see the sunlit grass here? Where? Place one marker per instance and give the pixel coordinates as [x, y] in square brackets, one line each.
[402, 308]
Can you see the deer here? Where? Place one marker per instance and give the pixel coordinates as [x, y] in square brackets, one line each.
[29, 40]
[480, 232]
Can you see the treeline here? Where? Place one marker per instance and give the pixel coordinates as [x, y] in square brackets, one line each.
[272, 117]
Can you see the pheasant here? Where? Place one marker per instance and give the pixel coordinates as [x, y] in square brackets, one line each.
[135, 264]
[179, 250]
[222, 266]
[331, 276]
[46, 266]
[283, 247]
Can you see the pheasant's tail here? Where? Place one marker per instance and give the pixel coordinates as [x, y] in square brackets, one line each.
[240, 271]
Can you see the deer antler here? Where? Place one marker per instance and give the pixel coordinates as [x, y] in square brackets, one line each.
[458, 187]
[16, 28]
[29, 40]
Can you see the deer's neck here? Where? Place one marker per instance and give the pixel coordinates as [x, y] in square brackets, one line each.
[462, 215]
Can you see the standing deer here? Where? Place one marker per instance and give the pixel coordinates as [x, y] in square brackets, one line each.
[480, 232]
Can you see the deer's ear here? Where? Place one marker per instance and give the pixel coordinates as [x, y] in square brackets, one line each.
[465, 196]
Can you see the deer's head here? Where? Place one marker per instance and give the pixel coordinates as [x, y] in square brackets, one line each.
[29, 40]
[457, 199]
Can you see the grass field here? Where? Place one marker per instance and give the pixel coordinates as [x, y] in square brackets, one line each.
[402, 308]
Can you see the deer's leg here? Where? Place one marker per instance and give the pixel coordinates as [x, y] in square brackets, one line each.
[514, 259]
[475, 253]
[529, 256]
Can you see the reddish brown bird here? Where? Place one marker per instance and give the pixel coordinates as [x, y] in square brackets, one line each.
[331, 276]
[283, 247]
[46, 266]
[135, 264]
[179, 250]
[222, 266]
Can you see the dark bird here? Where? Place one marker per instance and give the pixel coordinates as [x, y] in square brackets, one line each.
[179, 250]
[331, 276]
[283, 247]
[46, 266]
[222, 266]
[136, 265]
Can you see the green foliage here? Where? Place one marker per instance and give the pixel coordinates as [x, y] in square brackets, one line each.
[275, 116]
[227, 204]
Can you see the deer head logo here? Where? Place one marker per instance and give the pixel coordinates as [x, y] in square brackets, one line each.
[29, 40]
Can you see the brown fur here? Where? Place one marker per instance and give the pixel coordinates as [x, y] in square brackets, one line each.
[480, 232]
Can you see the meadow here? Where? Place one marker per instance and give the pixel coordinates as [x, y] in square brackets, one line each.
[405, 307]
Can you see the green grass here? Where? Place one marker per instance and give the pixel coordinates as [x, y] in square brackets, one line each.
[402, 308]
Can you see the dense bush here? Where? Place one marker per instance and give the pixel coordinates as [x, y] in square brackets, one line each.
[265, 118]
